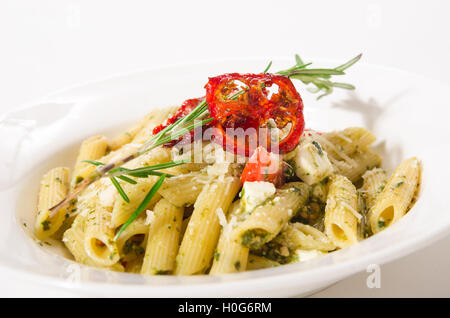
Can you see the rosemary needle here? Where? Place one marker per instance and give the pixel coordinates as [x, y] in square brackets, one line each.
[120, 189]
[142, 206]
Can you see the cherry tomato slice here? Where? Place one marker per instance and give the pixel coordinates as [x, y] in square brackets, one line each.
[263, 166]
[185, 109]
[251, 102]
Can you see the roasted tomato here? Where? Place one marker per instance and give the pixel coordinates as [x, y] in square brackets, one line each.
[263, 166]
[251, 102]
[185, 109]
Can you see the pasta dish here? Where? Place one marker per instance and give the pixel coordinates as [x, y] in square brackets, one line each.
[225, 183]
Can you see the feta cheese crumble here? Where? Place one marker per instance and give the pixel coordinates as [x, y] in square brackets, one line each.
[255, 193]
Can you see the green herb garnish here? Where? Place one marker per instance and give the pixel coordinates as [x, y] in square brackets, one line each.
[46, 225]
[319, 149]
[120, 189]
[319, 77]
[399, 184]
[142, 206]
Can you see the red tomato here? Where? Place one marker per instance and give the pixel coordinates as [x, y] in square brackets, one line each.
[185, 108]
[250, 101]
[263, 166]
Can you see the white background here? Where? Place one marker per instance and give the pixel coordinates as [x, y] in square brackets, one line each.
[47, 45]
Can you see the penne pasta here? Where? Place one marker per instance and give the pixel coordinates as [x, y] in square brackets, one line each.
[202, 233]
[305, 237]
[259, 262]
[73, 239]
[396, 197]
[348, 141]
[374, 183]
[267, 220]
[133, 240]
[362, 161]
[341, 215]
[99, 237]
[91, 149]
[164, 238]
[230, 256]
[54, 187]
[157, 117]
[183, 190]
[128, 135]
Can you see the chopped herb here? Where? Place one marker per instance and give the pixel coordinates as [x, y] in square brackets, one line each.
[399, 184]
[162, 272]
[381, 224]
[216, 255]
[46, 225]
[78, 179]
[254, 238]
[325, 180]
[289, 172]
[297, 190]
[319, 149]
[237, 265]
[120, 189]
[58, 179]
[111, 256]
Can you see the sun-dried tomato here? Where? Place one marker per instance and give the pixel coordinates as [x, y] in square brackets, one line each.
[185, 108]
[253, 102]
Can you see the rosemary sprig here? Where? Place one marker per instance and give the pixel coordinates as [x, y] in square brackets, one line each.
[319, 77]
[144, 172]
[142, 206]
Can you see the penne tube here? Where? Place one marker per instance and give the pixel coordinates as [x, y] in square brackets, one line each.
[268, 219]
[362, 161]
[133, 240]
[341, 212]
[259, 262]
[54, 187]
[91, 149]
[374, 183]
[230, 256]
[127, 136]
[305, 237]
[202, 233]
[183, 190]
[396, 197]
[164, 237]
[158, 116]
[349, 140]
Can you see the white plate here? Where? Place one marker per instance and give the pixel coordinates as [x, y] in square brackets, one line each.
[408, 113]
